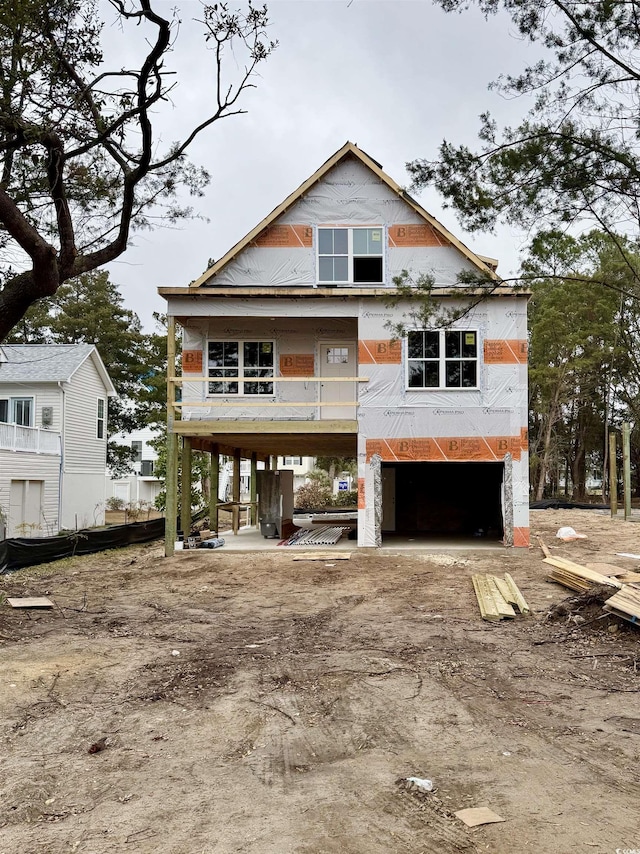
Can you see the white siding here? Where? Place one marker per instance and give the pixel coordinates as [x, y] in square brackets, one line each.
[83, 451]
[44, 394]
[24, 466]
[83, 497]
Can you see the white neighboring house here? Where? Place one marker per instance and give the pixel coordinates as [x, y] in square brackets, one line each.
[300, 466]
[142, 486]
[53, 437]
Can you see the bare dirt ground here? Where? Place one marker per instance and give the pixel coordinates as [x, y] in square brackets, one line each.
[251, 703]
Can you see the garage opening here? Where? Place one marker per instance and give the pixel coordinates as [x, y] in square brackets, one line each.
[461, 500]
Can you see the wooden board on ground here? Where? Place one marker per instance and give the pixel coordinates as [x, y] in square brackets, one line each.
[474, 816]
[323, 556]
[625, 603]
[30, 602]
[576, 576]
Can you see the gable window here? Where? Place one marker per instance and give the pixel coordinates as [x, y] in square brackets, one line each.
[17, 410]
[136, 447]
[100, 419]
[237, 367]
[350, 255]
[442, 358]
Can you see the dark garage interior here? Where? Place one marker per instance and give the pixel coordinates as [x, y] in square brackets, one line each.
[443, 499]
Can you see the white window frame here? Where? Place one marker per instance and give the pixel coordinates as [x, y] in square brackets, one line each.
[443, 360]
[101, 418]
[11, 408]
[241, 368]
[350, 229]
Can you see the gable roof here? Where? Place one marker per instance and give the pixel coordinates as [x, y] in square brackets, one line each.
[484, 264]
[49, 363]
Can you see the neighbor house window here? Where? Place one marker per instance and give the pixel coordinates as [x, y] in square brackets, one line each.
[100, 419]
[442, 358]
[146, 468]
[17, 410]
[237, 367]
[136, 447]
[292, 461]
[350, 255]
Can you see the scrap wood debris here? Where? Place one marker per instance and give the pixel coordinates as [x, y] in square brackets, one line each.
[497, 596]
[624, 602]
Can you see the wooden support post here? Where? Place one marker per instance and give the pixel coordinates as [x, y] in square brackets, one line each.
[214, 481]
[235, 497]
[185, 503]
[254, 488]
[267, 463]
[626, 468]
[171, 478]
[613, 475]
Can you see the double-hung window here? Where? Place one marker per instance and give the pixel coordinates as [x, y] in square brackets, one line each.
[240, 367]
[442, 358]
[17, 410]
[100, 418]
[350, 255]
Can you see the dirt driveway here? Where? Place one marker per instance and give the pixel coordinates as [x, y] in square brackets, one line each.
[254, 703]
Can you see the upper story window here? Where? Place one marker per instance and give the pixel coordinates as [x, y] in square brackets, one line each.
[351, 255]
[234, 364]
[100, 419]
[17, 410]
[292, 461]
[442, 358]
[136, 447]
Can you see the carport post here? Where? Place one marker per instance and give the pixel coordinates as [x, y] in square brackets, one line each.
[185, 504]
[237, 457]
[254, 488]
[613, 475]
[214, 483]
[171, 478]
[507, 509]
[626, 471]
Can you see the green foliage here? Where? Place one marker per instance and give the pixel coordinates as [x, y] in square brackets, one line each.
[581, 374]
[320, 477]
[312, 496]
[422, 308]
[346, 499]
[113, 503]
[200, 464]
[576, 154]
[334, 466]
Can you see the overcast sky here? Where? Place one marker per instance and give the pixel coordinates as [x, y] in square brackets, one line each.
[393, 76]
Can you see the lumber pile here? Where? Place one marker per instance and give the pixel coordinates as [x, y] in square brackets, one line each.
[498, 596]
[625, 603]
[575, 576]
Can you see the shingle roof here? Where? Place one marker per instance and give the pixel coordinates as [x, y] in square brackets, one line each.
[43, 363]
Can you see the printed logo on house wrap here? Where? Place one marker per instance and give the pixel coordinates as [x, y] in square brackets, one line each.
[448, 412]
[393, 413]
[236, 330]
[384, 314]
[489, 410]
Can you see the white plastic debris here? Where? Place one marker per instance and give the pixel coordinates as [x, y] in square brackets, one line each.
[421, 783]
[175, 652]
[568, 533]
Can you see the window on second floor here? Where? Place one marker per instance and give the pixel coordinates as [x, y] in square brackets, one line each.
[292, 461]
[146, 468]
[442, 358]
[100, 419]
[351, 255]
[237, 367]
[17, 410]
[136, 447]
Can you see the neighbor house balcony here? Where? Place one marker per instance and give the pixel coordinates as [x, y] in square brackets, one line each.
[32, 440]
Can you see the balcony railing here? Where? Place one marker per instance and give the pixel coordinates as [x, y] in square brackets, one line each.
[34, 440]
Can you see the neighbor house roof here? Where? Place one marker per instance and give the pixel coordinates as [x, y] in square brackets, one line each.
[484, 264]
[49, 363]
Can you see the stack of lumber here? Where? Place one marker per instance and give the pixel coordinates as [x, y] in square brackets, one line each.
[497, 596]
[625, 603]
[575, 576]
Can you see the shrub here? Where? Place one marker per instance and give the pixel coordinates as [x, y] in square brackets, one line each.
[312, 496]
[114, 503]
[346, 499]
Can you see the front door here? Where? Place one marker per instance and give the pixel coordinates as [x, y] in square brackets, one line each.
[337, 359]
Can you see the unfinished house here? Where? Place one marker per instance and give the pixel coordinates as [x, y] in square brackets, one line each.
[288, 349]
